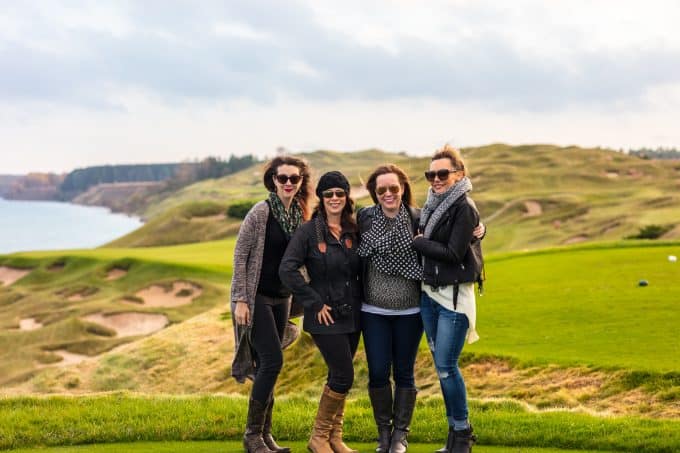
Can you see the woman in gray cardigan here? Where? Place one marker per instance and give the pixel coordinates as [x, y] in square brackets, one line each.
[260, 303]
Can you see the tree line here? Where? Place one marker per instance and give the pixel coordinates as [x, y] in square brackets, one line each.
[656, 153]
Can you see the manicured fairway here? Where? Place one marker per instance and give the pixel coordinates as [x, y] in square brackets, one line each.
[230, 446]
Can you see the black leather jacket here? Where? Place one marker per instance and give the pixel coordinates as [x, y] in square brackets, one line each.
[334, 279]
[452, 255]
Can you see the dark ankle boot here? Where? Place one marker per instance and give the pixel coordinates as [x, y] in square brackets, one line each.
[449, 442]
[252, 439]
[381, 400]
[267, 430]
[463, 441]
[404, 403]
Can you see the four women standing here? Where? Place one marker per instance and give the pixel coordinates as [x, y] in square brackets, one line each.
[392, 236]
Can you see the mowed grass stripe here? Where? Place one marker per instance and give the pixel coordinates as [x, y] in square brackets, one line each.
[584, 306]
[54, 421]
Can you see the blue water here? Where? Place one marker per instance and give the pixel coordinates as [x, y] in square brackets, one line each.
[44, 225]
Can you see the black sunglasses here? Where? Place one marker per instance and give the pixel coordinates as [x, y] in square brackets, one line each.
[392, 188]
[337, 192]
[282, 179]
[442, 174]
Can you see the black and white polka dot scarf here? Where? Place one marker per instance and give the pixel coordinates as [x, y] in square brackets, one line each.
[391, 249]
[437, 204]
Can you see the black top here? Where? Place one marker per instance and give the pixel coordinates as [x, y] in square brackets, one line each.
[334, 279]
[275, 243]
[452, 255]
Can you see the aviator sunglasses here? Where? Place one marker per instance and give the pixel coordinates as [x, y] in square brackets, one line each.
[442, 174]
[282, 179]
[339, 193]
[392, 188]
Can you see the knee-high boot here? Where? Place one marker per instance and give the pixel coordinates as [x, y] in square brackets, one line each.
[337, 444]
[252, 439]
[381, 401]
[329, 404]
[404, 403]
[267, 430]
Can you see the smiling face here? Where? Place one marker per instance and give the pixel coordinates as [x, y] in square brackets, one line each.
[336, 203]
[442, 185]
[287, 190]
[390, 199]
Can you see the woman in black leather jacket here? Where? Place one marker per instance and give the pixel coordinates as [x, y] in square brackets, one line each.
[451, 266]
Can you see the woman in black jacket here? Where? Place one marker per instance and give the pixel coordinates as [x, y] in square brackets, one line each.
[327, 246]
[451, 266]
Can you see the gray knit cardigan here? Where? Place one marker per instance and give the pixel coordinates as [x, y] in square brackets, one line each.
[248, 254]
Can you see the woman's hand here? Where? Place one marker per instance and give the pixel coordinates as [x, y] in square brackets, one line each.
[324, 315]
[242, 313]
[479, 231]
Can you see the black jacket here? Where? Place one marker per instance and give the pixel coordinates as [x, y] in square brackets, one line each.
[452, 255]
[334, 279]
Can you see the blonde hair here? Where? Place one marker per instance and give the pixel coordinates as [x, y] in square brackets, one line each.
[451, 153]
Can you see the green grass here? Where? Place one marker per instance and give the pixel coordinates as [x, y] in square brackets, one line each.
[236, 446]
[52, 421]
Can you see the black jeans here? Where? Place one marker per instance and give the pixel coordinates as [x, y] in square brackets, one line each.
[391, 343]
[338, 352]
[269, 321]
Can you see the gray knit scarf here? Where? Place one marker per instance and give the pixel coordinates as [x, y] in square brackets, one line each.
[437, 204]
[391, 249]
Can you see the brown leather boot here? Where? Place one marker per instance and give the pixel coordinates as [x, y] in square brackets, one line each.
[330, 401]
[267, 430]
[252, 439]
[336, 441]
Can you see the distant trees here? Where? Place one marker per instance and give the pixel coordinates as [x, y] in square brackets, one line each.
[658, 153]
[175, 175]
[651, 232]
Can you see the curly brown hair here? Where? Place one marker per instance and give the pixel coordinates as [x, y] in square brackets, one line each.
[302, 196]
[371, 183]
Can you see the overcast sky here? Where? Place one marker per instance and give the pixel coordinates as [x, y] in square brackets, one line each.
[85, 83]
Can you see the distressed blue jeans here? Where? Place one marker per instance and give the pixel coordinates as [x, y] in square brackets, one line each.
[446, 331]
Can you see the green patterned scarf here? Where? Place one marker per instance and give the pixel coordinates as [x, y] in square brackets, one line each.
[289, 220]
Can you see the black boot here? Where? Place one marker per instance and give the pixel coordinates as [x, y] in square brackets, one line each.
[404, 403]
[449, 442]
[463, 441]
[381, 400]
[252, 439]
[267, 430]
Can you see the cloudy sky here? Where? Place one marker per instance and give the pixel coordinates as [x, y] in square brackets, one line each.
[85, 83]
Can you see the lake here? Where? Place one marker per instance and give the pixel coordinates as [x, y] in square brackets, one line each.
[45, 225]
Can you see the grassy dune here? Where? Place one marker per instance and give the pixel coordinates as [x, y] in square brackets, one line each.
[531, 196]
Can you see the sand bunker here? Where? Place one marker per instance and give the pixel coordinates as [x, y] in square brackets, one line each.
[9, 275]
[130, 324]
[181, 293]
[29, 324]
[532, 209]
[69, 358]
[116, 273]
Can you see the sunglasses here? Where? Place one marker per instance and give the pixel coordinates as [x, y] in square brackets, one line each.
[282, 179]
[442, 174]
[339, 193]
[392, 188]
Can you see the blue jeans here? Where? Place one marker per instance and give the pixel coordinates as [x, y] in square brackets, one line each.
[391, 343]
[446, 331]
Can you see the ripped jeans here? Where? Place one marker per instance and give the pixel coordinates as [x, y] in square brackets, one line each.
[446, 331]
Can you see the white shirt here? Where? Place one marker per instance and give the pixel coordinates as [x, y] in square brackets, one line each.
[466, 304]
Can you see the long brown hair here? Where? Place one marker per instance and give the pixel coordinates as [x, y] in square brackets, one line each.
[406, 198]
[302, 195]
